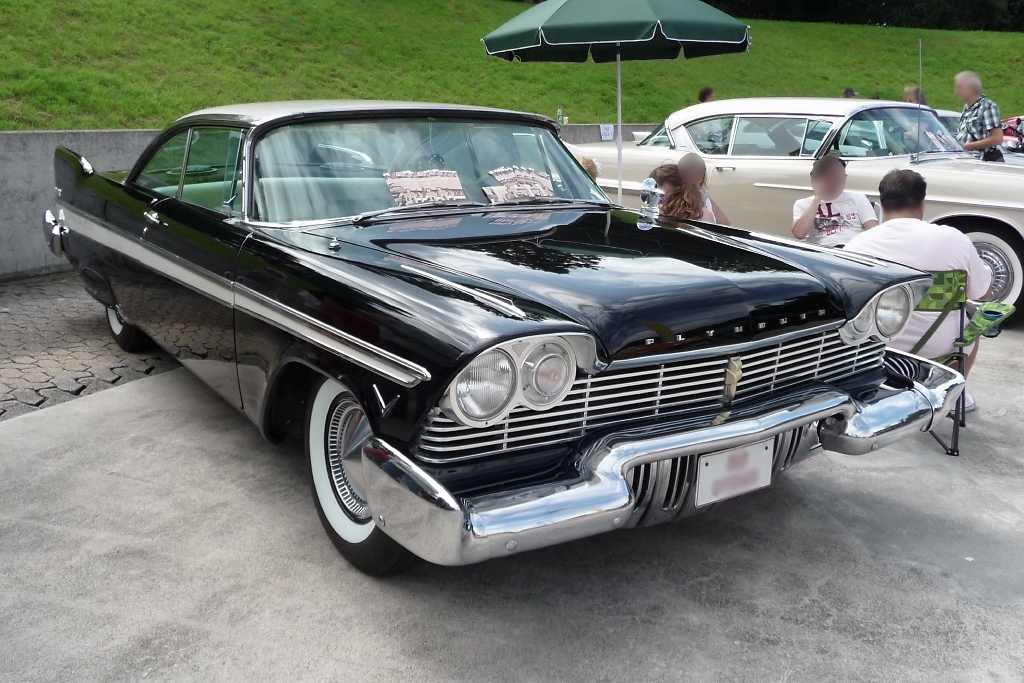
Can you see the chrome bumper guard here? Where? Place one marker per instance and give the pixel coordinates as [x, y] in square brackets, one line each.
[419, 513]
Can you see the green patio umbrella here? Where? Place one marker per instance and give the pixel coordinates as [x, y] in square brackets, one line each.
[617, 30]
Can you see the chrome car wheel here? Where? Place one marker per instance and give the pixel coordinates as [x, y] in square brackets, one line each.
[1005, 263]
[336, 430]
[347, 432]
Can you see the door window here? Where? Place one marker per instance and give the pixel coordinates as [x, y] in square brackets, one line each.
[213, 173]
[769, 137]
[816, 132]
[162, 172]
[711, 136]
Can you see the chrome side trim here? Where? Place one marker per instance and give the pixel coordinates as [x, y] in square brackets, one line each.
[235, 296]
[149, 255]
[495, 302]
[351, 348]
[640, 361]
[779, 186]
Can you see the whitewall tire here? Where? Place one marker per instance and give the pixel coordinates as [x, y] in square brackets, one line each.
[126, 335]
[336, 429]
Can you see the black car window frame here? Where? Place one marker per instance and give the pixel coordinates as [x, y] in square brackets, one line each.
[154, 149]
[237, 174]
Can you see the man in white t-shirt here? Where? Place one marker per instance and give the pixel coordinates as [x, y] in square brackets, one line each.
[832, 216]
[907, 239]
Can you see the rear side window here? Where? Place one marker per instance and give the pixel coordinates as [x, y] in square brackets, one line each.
[162, 172]
[769, 137]
[212, 174]
[712, 135]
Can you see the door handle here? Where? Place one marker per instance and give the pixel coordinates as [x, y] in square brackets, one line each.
[725, 168]
[152, 217]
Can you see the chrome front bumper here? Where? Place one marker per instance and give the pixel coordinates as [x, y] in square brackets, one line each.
[419, 513]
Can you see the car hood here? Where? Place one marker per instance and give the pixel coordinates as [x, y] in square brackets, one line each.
[949, 175]
[672, 286]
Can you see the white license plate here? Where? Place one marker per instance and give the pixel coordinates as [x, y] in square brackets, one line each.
[734, 472]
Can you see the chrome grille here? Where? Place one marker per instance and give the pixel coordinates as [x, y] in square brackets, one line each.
[650, 392]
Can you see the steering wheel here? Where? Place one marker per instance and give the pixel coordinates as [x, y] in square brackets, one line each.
[434, 162]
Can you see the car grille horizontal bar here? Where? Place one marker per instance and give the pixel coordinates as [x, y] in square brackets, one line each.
[652, 392]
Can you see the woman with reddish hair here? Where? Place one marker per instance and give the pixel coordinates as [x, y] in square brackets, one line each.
[682, 200]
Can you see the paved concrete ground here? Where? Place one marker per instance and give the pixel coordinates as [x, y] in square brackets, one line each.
[54, 346]
[147, 533]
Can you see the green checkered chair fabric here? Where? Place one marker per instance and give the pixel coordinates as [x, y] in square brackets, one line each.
[948, 287]
[947, 294]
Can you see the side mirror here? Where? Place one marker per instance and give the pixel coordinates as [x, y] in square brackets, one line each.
[651, 195]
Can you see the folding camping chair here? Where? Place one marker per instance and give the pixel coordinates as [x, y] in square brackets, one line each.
[948, 293]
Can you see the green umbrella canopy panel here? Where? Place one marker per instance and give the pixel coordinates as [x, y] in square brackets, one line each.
[572, 30]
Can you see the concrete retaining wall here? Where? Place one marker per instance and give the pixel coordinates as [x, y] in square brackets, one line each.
[584, 133]
[26, 187]
[26, 182]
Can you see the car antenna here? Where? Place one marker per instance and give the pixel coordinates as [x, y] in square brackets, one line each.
[920, 90]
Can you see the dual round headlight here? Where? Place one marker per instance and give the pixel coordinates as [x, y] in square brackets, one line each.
[485, 388]
[892, 311]
[537, 375]
[884, 317]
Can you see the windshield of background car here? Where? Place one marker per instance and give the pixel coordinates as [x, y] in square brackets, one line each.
[894, 131]
[334, 169]
[659, 138]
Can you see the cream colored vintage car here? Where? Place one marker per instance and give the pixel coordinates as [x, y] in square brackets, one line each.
[759, 154]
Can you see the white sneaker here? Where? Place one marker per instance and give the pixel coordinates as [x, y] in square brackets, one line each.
[969, 406]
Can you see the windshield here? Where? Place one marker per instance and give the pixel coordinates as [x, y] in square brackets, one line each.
[334, 169]
[893, 131]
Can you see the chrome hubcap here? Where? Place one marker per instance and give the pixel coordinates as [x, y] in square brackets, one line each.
[1003, 277]
[347, 431]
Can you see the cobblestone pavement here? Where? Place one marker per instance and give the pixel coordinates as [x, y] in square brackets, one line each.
[55, 346]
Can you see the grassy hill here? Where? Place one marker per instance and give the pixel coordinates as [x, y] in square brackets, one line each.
[114, 64]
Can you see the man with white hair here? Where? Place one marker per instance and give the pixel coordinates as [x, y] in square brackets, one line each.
[980, 130]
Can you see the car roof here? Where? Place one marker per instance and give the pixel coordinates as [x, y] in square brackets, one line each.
[264, 112]
[786, 106]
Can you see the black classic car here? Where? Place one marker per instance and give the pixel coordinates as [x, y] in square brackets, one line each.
[481, 354]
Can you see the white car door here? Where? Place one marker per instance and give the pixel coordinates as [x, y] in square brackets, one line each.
[767, 168]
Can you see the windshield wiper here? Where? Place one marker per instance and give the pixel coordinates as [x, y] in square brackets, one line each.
[369, 216]
[526, 201]
[917, 156]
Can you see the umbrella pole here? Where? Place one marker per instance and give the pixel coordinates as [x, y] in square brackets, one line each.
[618, 99]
